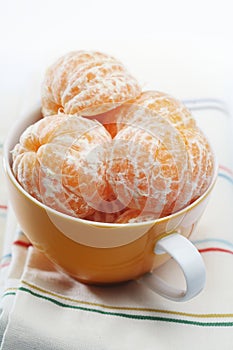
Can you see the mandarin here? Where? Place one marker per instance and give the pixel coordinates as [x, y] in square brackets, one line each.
[148, 165]
[60, 160]
[166, 119]
[135, 111]
[157, 163]
[86, 83]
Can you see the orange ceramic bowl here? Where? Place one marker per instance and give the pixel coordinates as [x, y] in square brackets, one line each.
[92, 252]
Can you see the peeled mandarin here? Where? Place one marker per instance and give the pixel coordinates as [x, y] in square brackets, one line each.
[148, 165]
[135, 111]
[86, 83]
[146, 113]
[61, 160]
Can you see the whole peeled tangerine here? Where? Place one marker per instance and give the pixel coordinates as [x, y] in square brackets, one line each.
[61, 160]
[134, 111]
[86, 83]
[160, 160]
[148, 166]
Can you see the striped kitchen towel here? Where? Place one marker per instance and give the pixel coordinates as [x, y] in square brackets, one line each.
[42, 308]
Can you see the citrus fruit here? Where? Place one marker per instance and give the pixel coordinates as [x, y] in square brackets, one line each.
[158, 167]
[156, 137]
[148, 165]
[86, 83]
[136, 111]
[60, 160]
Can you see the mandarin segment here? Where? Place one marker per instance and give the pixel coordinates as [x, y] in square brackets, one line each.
[201, 160]
[87, 83]
[201, 168]
[27, 168]
[61, 162]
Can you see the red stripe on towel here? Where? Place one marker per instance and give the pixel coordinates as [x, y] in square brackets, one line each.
[228, 170]
[22, 244]
[213, 249]
[4, 265]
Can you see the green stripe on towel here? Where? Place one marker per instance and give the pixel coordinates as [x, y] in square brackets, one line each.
[129, 316]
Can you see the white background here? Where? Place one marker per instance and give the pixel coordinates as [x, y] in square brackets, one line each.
[181, 47]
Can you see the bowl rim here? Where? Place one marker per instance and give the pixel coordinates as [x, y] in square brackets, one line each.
[26, 118]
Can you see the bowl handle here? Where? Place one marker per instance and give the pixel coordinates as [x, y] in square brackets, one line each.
[190, 262]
